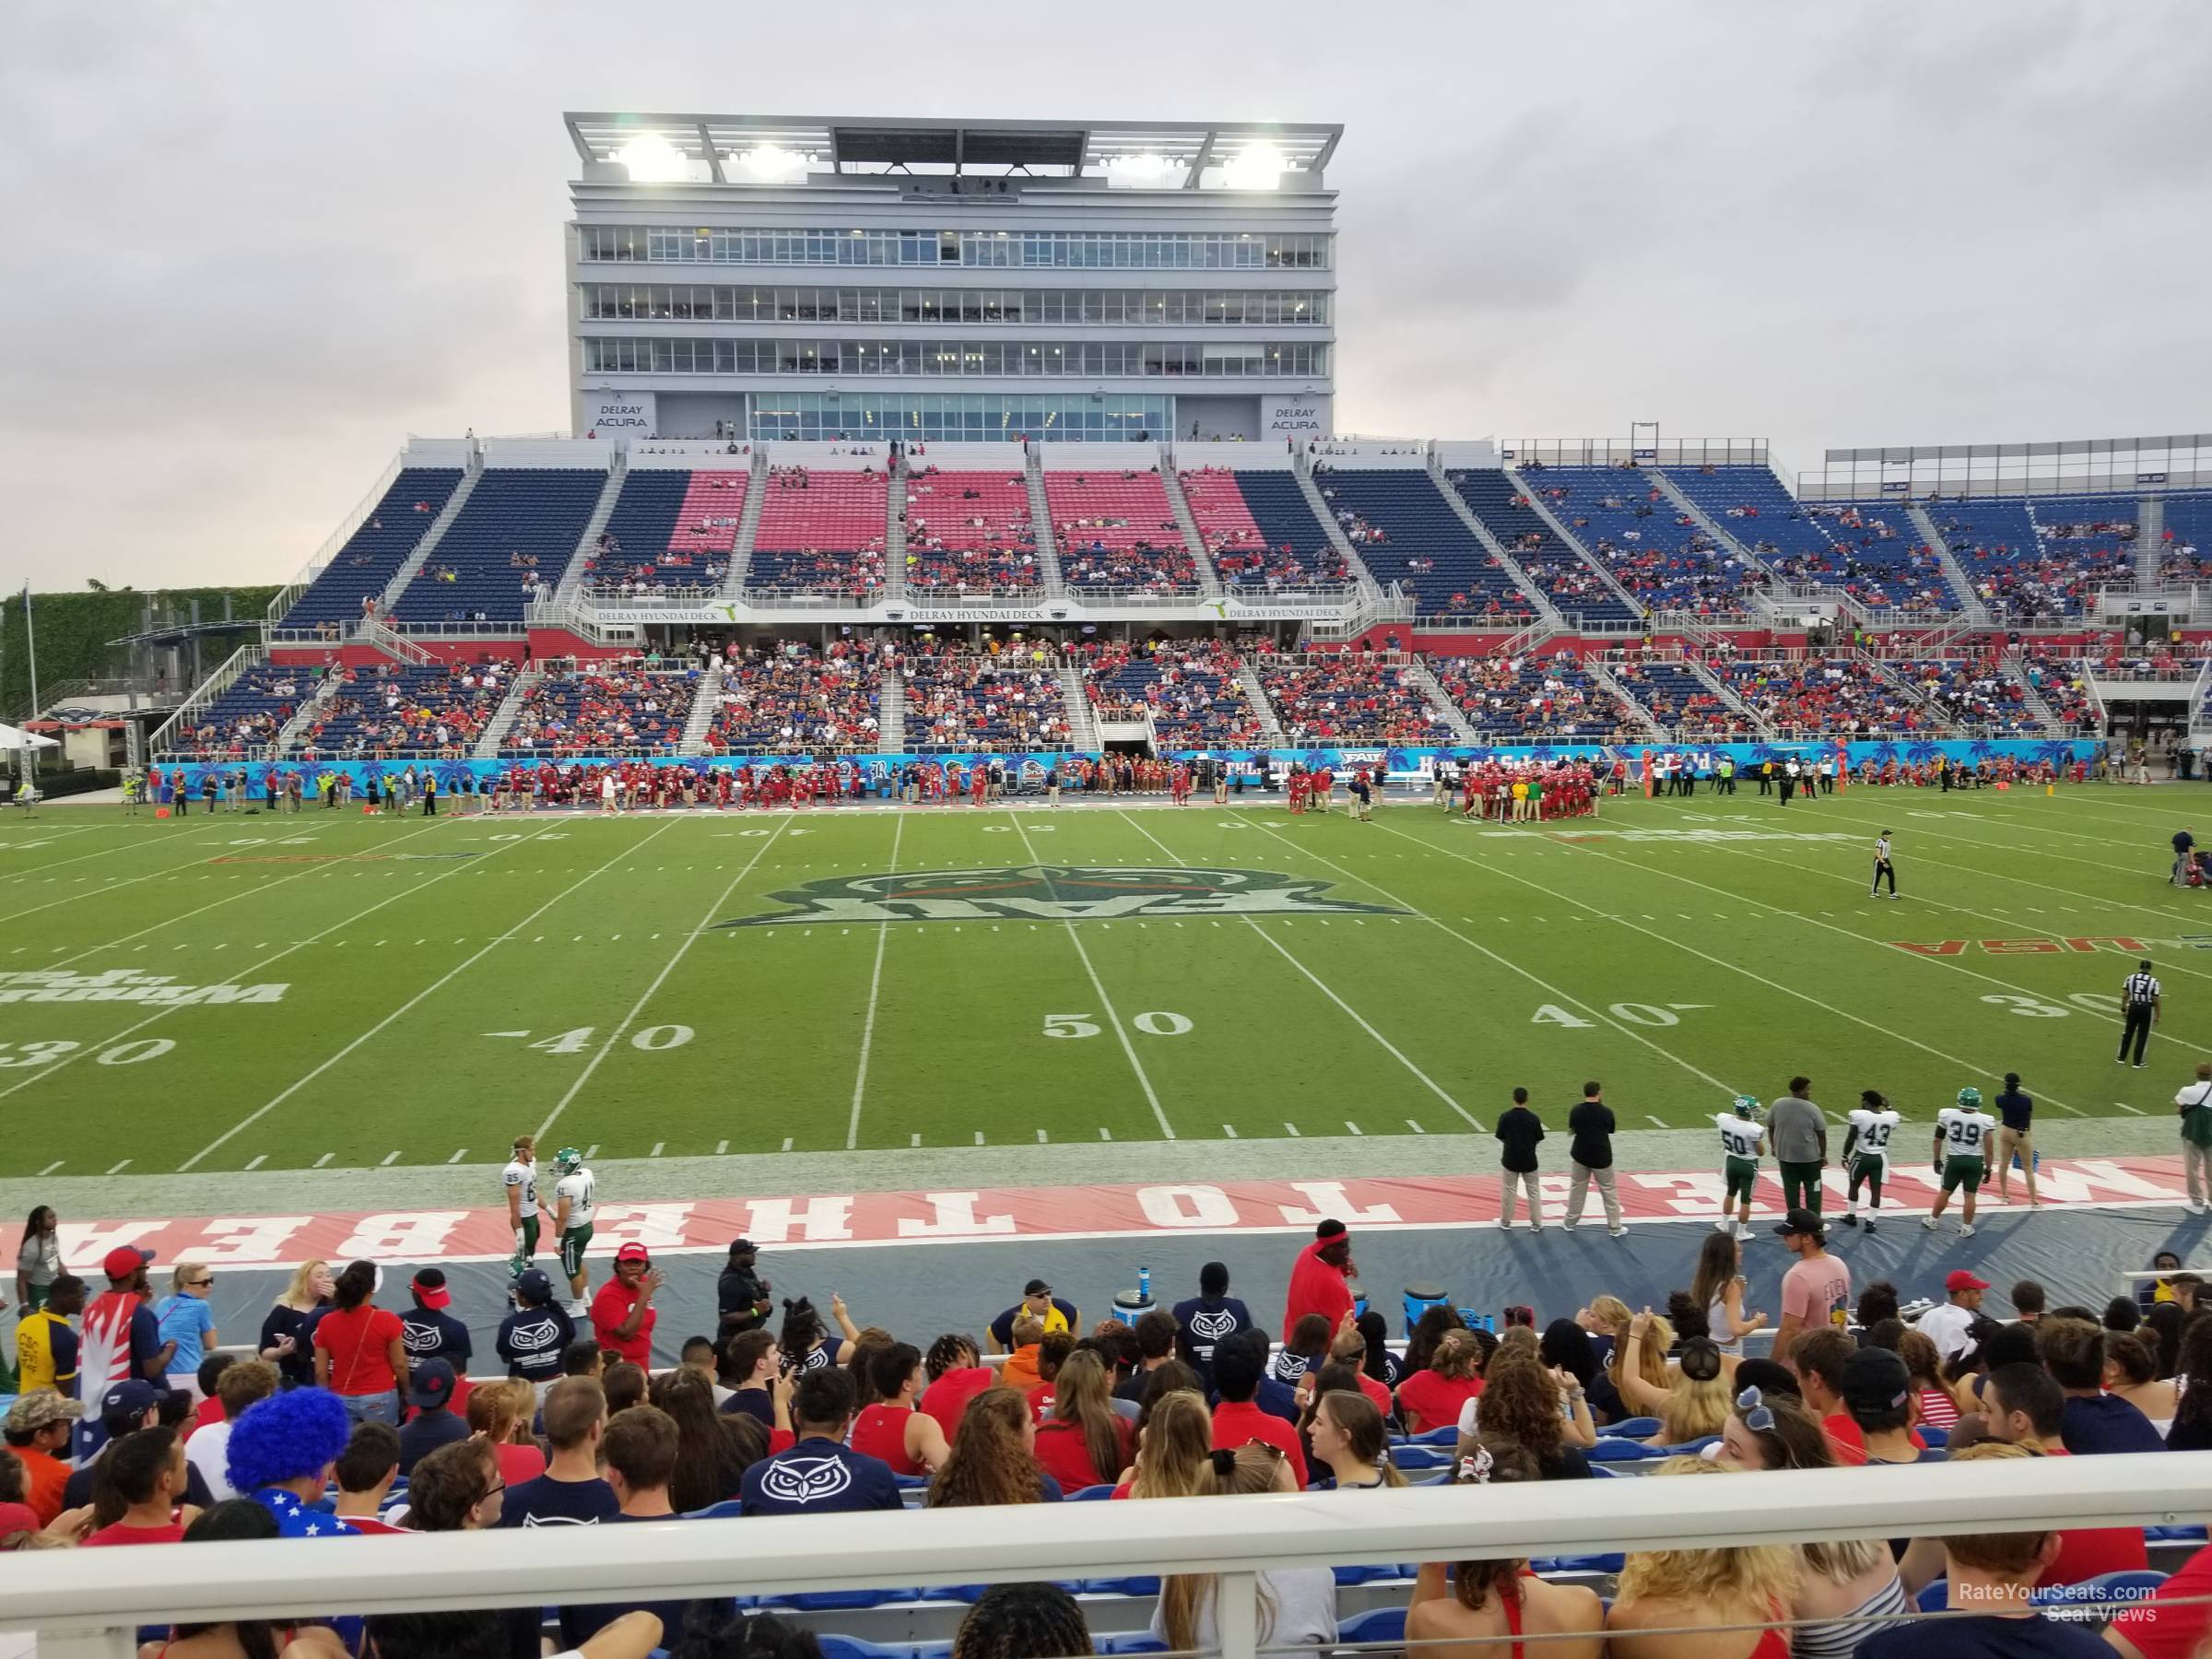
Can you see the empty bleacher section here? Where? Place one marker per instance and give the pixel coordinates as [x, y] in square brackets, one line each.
[1567, 579]
[1752, 505]
[969, 533]
[1674, 695]
[1260, 530]
[820, 532]
[1878, 558]
[1116, 533]
[627, 706]
[518, 528]
[371, 556]
[788, 698]
[1349, 700]
[1189, 691]
[973, 702]
[1840, 696]
[2185, 543]
[1650, 546]
[246, 716]
[1405, 531]
[392, 708]
[1973, 693]
[670, 534]
[1512, 699]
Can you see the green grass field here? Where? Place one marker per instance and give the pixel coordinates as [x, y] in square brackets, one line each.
[447, 984]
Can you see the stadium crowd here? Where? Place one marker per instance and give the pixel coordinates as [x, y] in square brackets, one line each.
[347, 1417]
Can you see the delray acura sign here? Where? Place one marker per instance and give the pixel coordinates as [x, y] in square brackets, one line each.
[1310, 416]
[621, 414]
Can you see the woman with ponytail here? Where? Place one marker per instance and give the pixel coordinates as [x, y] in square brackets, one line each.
[1348, 1437]
[1483, 1603]
[1297, 1604]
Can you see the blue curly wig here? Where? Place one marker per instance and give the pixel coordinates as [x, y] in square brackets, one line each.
[286, 1436]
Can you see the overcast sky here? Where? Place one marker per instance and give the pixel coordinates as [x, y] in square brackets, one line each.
[251, 247]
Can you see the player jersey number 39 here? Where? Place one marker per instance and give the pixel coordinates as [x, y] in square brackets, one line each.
[1964, 1133]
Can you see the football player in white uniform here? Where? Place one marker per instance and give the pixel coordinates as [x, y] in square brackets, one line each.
[1741, 1135]
[520, 1179]
[1866, 1153]
[1962, 1137]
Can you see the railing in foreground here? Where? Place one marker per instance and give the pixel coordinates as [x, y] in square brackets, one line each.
[84, 1609]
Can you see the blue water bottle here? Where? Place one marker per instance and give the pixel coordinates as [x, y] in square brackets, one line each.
[1144, 1284]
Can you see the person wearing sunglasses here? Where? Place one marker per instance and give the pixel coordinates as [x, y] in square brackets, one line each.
[1772, 1430]
[187, 1324]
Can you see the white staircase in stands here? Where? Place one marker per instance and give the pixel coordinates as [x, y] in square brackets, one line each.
[502, 718]
[311, 709]
[1209, 579]
[1440, 703]
[1602, 676]
[376, 632]
[1041, 521]
[413, 563]
[894, 533]
[1549, 621]
[571, 576]
[706, 702]
[748, 526]
[1542, 508]
[1256, 695]
[1720, 689]
[1082, 727]
[1716, 528]
[890, 713]
[2151, 539]
[1971, 608]
[2015, 665]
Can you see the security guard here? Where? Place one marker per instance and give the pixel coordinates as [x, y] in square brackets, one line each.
[2139, 1009]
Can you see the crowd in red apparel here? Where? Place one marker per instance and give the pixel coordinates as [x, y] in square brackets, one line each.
[1118, 531]
[1534, 792]
[625, 705]
[436, 708]
[1824, 694]
[1241, 555]
[790, 697]
[1349, 699]
[1530, 697]
[1676, 698]
[973, 702]
[1190, 692]
[969, 533]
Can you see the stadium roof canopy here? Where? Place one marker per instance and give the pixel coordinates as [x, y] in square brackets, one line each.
[878, 143]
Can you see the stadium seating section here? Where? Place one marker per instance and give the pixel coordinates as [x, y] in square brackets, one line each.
[969, 533]
[1650, 546]
[1568, 580]
[2059, 683]
[1349, 700]
[2186, 545]
[435, 707]
[819, 533]
[789, 698]
[1512, 699]
[1680, 701]
[247, 714]
[1260, 531]
[671, 533]
[519, 527]
[973, 702]
[2021, 575]
[1973, 694]
[1845, 697]
[1190, 692]
[608, 706]
[371, 556]
[1404, 531]
[1116, 532]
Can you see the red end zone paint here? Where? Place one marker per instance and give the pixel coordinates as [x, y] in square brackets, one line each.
[849, 1220]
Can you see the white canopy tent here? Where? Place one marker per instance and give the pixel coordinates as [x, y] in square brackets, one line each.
[23, 745]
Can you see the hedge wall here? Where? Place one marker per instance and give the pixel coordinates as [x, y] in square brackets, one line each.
[74, 628]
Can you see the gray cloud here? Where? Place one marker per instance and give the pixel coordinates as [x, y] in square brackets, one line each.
[251, 246]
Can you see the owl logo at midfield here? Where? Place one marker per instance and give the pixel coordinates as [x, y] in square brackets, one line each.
[1059, 893]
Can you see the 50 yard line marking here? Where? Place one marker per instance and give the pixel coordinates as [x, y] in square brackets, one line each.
[1105, 1002]
[867, 1030]
[427, 992]
[1389, 1047]
[659, 978]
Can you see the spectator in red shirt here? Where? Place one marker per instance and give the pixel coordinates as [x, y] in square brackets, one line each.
[1238, 1364]
[1083, 1443]
[622, 1313]
[2175, 1622]
[360, 1355]
[1317, 1279]
[147, 1471]
[956, 1377]
[1430, 1399]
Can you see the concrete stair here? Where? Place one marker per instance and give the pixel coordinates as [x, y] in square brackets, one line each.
[294, 732]
[412, 565]
[2151, 539]
[1970, 605]
[572, 575]
[2015, 665]
[1602, 676]
[890, 715]
[706, 702]
[1041, 521]
[1257, 694]
[894, 535]
[1440, 702]
[502, 718]
[1209, 580]
[1082, 725]
[748, 526]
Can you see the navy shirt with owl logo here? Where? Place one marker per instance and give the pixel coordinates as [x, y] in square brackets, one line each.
[817, 1477]
[1205, 1323]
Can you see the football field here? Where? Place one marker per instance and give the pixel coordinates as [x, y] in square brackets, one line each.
[327, 990]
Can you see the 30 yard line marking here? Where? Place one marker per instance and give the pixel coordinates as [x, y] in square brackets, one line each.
[1314, 980]
[1113, 1015]
[867, 1029]
[413, 1002]
[661, 978]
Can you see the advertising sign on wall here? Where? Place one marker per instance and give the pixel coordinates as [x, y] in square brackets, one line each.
[1300, 417]
[620, 414]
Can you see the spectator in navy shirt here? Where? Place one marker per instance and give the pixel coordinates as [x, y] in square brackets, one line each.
[1207, 1319]
[754, 1361]
[820, 1475]
[533, 1338]
[641, 1447]
[428, 1331]
[2072, 1352]
[570, 1492]
[434, 1424]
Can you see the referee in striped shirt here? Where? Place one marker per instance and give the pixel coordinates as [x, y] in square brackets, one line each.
[2139, 1009]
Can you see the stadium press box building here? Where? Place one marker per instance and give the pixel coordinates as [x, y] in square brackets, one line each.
[821, 281]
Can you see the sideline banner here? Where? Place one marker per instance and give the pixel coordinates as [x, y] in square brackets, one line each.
[948, 1215]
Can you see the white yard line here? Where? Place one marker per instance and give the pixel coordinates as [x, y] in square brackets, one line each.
[1282, 951]
[661, 978]
[248, 970]
[413, 1002]
[1565, 998]
[867, 1029]
[1737, 967]
[35, 871]
[1105, 1002]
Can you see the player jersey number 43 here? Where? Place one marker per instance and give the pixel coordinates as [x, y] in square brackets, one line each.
[1965, 1133]
[1875, 1129]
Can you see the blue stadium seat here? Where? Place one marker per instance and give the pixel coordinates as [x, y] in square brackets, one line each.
[839, 1601]
[1091, 1494]
[1142, 1585]
[729, 1509]
[1129, 1641]
[1650, 546]
[539, 512]
[1612, 1450]
[1570, 581]
[373, 554]
[1934, 1597]
[1414, 538]
[852, 1647]
[1641, 1428]
[1377, 1624]
[1931, 1436]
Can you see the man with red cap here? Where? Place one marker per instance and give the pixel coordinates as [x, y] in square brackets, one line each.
[429, 1332]
[622, 1313]
[1317, 1279]
[120, 1338]
[1946, 1323]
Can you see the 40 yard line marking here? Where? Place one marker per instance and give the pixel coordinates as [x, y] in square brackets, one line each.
[659, 978]
[867, 1029]
[413, 1002]
[1388, 1047]
[1105, 1002]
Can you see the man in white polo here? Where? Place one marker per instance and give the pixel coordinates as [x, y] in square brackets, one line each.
[1946, 1323]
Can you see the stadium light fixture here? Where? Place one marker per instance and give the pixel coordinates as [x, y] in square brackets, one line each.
[1258, 167]
[1140, 168]
[767, 164]
[654, 160]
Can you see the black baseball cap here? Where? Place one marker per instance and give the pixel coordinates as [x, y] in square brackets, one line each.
[1036, 1288]
[533, 1286]
[1801, 1220]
